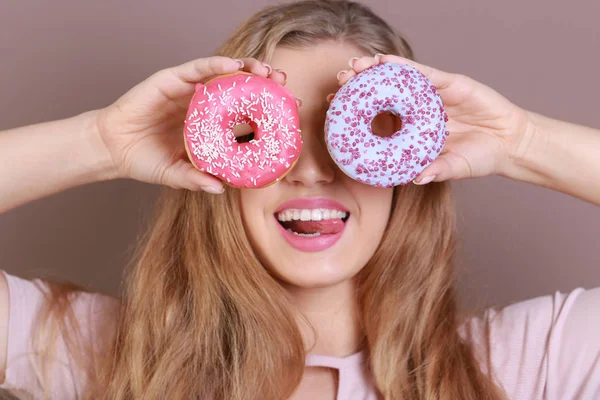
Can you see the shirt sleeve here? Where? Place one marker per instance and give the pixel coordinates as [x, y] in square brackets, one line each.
[544, 348]
[24, 373]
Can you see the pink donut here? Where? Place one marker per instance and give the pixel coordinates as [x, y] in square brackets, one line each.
[386, 161]
[241, 98]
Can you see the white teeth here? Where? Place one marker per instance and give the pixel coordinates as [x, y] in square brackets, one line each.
[305, 234]
[317, 214]
[305, 215]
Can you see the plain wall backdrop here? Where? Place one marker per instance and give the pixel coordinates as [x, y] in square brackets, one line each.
[62, 57]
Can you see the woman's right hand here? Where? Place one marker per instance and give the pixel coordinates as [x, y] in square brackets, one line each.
[143, 130]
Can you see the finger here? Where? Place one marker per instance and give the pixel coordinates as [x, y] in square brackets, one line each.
[279, 75]
[448, 166]
[183, 175]
[180, 81]
[256, 67]
[199, 70]
[360, 64]
[344, 75]
[440, 79]
[253, 66]
[357, 65]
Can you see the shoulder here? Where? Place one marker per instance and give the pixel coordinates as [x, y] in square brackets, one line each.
[91, 317]
[547, 345]
[28, 297]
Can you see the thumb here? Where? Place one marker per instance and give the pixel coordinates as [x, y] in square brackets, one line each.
[448, 166]
[183, 175]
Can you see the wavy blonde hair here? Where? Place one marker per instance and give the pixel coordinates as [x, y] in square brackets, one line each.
[202, 318]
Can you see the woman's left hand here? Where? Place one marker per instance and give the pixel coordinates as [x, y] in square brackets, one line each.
[485, 128]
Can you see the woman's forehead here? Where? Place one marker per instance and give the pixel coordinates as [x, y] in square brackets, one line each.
[312, 70]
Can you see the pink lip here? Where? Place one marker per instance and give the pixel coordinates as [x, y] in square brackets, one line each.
[310, 244]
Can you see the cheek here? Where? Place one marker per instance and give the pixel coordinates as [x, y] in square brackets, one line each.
[245, 204]
[251, 210]
[254, 205]
[374, 203]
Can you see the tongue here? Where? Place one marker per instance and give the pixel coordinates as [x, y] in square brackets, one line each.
[328, 226]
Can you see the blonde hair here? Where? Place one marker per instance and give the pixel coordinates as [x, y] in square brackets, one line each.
[201, 317]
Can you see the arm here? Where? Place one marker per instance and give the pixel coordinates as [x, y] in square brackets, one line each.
[47, 158]
[560, 156]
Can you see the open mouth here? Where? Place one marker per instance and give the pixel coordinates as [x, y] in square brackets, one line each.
[312, 222]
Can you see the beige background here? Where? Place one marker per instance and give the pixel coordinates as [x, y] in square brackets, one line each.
[62, 57]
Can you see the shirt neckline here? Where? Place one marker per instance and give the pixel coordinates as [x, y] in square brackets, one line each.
[320, 360]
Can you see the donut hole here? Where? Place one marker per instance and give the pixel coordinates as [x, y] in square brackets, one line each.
[243, 133]
[385, 124]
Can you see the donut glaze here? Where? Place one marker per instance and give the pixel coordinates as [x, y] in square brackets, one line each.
[386, 161]
[241, 98]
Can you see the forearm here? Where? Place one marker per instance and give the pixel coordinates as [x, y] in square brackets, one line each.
[39, 160]
[560, 156]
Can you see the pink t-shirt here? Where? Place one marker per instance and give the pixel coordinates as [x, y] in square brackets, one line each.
[544, 348]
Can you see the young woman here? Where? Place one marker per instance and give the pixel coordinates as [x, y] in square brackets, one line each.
[219, 305]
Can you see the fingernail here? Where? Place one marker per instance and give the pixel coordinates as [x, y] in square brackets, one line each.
[425, 180]
[299, 102]
[344, 71]
[241, 63]
[284, 74]
[212, 189]
[269, 68]
[352, 61]
[330, 97]
[378, 56]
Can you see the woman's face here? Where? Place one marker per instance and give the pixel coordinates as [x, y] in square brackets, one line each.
[341, 221]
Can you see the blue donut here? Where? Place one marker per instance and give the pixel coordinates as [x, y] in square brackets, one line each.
[386, 161]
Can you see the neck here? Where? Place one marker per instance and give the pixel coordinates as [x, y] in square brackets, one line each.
[332, 312]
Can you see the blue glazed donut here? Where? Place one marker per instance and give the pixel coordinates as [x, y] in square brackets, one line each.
[386, 161]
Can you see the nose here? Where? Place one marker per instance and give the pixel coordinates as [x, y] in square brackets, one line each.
[314, 166]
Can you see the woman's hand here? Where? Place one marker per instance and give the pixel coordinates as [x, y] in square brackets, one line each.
[143, 130]
[486, 129]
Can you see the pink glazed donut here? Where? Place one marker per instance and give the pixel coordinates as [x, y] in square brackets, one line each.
[386, 161]
[241, 98]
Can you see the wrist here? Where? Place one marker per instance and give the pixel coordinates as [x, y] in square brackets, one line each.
[95, 156]
[525, 160]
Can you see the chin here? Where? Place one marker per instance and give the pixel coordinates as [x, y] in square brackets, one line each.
[311, 270]
[311, 277]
